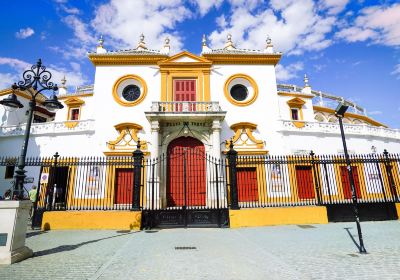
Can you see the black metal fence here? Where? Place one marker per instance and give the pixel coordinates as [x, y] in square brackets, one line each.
[126, 183]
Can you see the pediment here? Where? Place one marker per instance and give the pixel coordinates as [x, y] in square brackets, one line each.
[74, 101]
[185, 57]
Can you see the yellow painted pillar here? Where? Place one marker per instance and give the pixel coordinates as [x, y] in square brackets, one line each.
[207, 95]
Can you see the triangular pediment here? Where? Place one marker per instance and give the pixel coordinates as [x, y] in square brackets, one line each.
[74, 101]
[186, 58]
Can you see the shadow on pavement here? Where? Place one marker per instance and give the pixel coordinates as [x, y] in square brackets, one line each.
[64, 248]
[34, 233]
[352, 237]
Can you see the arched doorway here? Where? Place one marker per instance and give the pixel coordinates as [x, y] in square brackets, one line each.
[186, 170]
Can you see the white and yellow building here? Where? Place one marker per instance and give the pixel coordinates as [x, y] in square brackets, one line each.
[158, 97]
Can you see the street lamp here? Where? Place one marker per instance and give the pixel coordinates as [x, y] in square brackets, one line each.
[35, 81]
[339, 113]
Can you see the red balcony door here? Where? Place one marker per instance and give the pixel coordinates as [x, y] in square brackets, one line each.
[186, 169]
[123, 185]
[185, 90]
[305, 183]
[344, 174]
[247, 184]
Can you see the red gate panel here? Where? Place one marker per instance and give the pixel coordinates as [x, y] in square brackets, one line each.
[123, 185]
[186, 185]
[344, 174]
[305, 183]
[185, 90]
[247, 184]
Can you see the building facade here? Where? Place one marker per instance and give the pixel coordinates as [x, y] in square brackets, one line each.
[166, 103]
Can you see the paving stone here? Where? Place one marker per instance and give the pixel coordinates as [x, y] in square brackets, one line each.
[284, 252]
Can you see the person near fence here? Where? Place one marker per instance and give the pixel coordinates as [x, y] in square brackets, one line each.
[32, 196]
[7, 195]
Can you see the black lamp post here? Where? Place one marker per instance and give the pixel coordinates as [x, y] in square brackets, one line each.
[35, 81]
[339, 113]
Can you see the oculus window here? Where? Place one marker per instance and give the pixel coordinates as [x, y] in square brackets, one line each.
[129, 90]
[241, 90]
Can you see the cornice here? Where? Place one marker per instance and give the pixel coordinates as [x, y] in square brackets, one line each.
[294, 94]
[259, 59]
[126, 59]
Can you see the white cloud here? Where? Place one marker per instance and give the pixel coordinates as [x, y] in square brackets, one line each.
[295, 26]
[333, 6]
[80, 29]
[396, 71]
[124, 20]
[374, 113]
[284, 73]
[24, 33]
[75, 77]
[205, 5]
[6, 80]
[380, 24]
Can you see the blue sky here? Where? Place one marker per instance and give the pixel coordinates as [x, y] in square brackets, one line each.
[347, 48]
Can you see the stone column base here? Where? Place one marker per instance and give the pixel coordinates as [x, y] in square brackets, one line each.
[17, 255]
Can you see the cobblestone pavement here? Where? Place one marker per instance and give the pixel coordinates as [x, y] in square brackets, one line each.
[284, 252]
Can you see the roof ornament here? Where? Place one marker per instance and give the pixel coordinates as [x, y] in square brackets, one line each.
[100, 48]
[141, 45]
[269, 47]
[306, 81]
[204, 40]
[62, 89]
[63, 81]
[204, 47]
[307, 88]
[229, 44]
[166, 49]
[101, 41]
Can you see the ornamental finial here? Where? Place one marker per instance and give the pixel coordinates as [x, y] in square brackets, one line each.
[101, 41]
[229, 45]
[166, 41]
[142, 44]
[63, 81]
[306, 81]
[204, 40]
[269, 41]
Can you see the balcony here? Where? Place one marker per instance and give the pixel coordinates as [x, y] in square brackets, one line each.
[49, 128]
[176, 110]
[333, 128]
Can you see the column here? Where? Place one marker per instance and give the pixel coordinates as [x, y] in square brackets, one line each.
[216, 138]
[153, 194]
[155, 128]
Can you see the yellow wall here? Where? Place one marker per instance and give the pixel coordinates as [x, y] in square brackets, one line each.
[122, 220]
[398, 210]
[278, 216]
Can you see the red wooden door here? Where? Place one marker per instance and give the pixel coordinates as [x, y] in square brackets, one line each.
[344, 174]
[185, 90]
[186, 183]
[123, 185]
[305, 183]
[247, 184]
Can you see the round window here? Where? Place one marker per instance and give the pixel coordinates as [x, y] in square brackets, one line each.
[239, 92]
[129, 90]
[131, 93]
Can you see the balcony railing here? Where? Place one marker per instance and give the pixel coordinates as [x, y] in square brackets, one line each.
[185, 107]
[328, 127]
[48, 128]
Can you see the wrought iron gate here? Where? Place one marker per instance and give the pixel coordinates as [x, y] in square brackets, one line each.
[184, 188]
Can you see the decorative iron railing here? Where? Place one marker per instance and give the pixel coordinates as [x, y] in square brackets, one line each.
[49, 128]
[328, 127]
[203, 182]
[185, 107]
